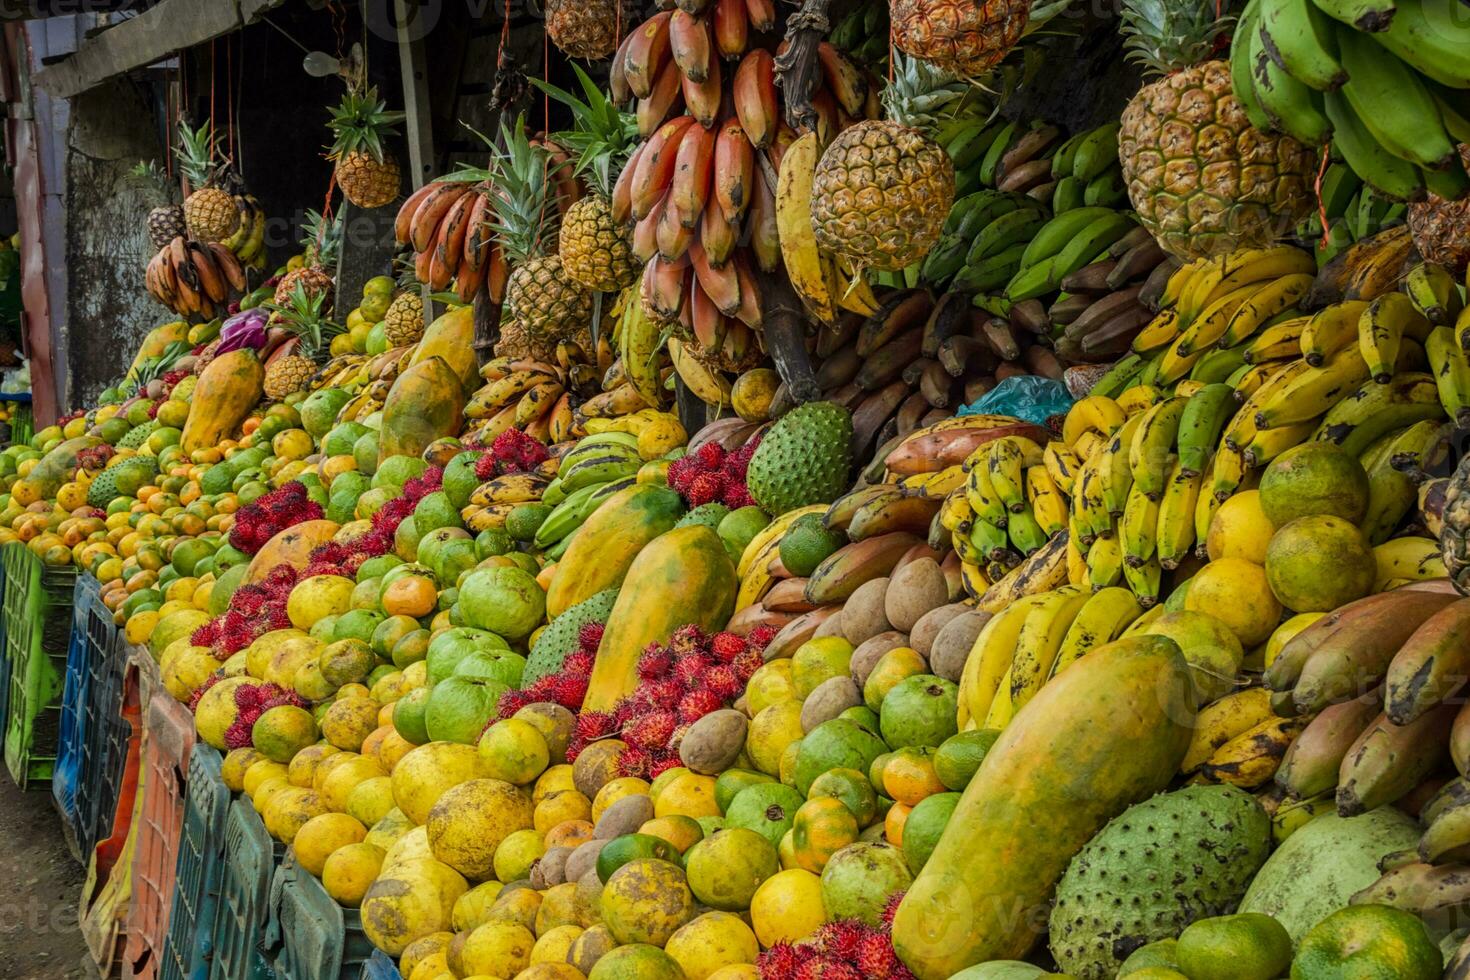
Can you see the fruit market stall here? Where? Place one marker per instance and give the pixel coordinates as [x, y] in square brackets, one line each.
[790, 507]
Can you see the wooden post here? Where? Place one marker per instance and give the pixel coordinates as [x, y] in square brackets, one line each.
[418, 114]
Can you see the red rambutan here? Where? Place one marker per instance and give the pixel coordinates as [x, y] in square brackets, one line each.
[662, 763]
[650, 731]
[248, 696]
[510, 702]
[710, 456]
[686, 640]
[723, 681]
[736, 496]
[690, 670]
[237, 736]
[592, 725]
[747, 664]
[841, 938]
[578, 662]
[570, 690]
[655, 662]
[781, 961]
[727, 646]
[705, 488]
[589, 637]
[875, 957]
[633, 762]
[696, 704]
[760, 637]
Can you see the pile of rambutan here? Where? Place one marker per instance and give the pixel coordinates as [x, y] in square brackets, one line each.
[94, 459]
[252, 701]
[511, 452]
[254, 611]
[268, 515]
[710, 474]
[846, 949]
[568, 686]
[678, 684]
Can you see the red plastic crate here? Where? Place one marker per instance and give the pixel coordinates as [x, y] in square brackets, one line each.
[168, 738]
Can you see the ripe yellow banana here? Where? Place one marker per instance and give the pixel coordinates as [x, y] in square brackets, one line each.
[1330, 330]
[990, 657]
[708, 386]
[1412, 558]
[1105, 562]
[1095, 413]
[1139, 526]
[1277, 342]
[1251, 758]
[1102, 619]
[1062, 464]
[984, 500]
[1270, 300]
[509, 488]
[799, 251]
[1153, 443]
[770, 536]
[1140, 398]
[1175, 533]
[1046, 500]
[1113, 471]
[1223, 720]
[1006, 460]
[1040, 640]
[1382, 328]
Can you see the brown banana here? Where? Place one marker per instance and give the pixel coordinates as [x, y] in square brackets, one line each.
[1388, 760]
[887, 362]
[886, 515]
[898, 312]
[1311, 764]
[1432, 664]
[797, 632]
[840, 573]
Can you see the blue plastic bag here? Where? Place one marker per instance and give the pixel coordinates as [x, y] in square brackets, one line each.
[1029, 397]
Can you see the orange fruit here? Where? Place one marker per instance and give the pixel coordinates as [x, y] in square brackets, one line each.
[410, 595]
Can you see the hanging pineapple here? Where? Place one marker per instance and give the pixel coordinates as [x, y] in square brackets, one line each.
[321, 241]
[366, 172]
[594, 248]
[1201, 178]
[544, 303]
[292, 366]
[585, 29]
[166, 221]
[210, 212]
[966, 37]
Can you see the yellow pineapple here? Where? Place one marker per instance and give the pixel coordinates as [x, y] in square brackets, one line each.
[1202, 179]
[404, 321]
[366, 172]
[966, 37]
[312, 333]
[210, 212]
[880, 194]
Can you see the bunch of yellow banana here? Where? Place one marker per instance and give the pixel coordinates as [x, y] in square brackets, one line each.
[1030, 641]
[825, 284]
[1405, 560]
[526, 394]
[248, 239]
[1012, 506]
[492, 501]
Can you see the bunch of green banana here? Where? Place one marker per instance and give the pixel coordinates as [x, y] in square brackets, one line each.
[1384, 81]
[863, 36]
[1064, 245]
[1086, 171]
[1009, 507]
[596, 468]
[1353, 210]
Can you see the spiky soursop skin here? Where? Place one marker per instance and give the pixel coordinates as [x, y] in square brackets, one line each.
[137, 435]
[102, 490]
[803, 459]
[1153, 870]
[559, 638]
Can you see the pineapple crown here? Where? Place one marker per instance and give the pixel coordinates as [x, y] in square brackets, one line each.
[321, 238]
[520, 184]
[603, 137]
[360, 122]
[924, 96]
[198, 150]
[302, 315]
[148, 174]
[1167, 35]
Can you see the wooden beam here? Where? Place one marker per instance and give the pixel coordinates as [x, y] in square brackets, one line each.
[13, 10]
[170, 26]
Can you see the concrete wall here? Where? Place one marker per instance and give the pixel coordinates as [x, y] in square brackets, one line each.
[108, 311]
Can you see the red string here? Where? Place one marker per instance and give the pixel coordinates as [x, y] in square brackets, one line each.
[231, 139]
[1317, 189]
[213, 131]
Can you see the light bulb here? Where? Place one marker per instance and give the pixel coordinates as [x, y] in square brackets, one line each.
[319, 64]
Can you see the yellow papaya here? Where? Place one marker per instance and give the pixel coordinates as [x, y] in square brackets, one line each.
[452, 337]
[225, 393]
[156, 342]
[1107, 733]
[605, 546]
[683, 576]
[293, 546]
[423, 405]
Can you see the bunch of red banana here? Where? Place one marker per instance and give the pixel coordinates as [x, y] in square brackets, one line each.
[701, 188]
[194, 278]
[449, 225]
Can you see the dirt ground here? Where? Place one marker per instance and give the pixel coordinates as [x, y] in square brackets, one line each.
[39, 888]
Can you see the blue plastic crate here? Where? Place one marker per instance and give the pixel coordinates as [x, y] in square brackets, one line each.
[380, 966]
[189, 949]
[71, 747]
[240, 920]
[310, 936]
[105, 748]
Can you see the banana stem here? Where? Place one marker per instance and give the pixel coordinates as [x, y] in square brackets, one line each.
[785, 337]
[797, 68]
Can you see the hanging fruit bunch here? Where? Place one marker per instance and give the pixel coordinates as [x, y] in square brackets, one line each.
[367, 173]
[217, 234]
[701, 189]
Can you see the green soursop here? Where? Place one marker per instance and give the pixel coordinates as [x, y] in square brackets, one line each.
[103, 490]
[559, 638]
[710, 515]
[137, 435]
[803, 459]
[1153, 870]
